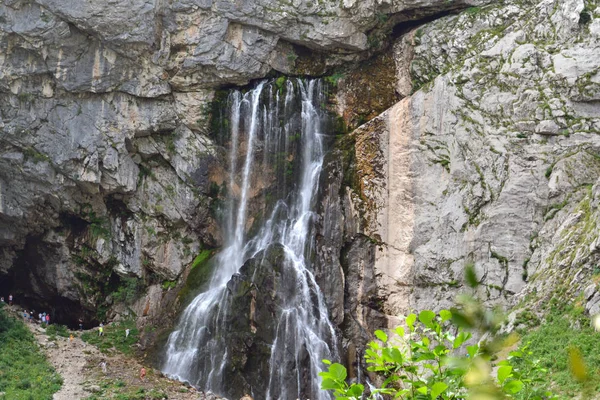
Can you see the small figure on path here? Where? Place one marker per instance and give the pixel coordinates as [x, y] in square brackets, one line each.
[10, 299]
[80, 324]
[47, 319]
[126, 333]
[40, 316]
[142, 373]
[71, 338]
[100, 330]
[2, 299]
[103, 366]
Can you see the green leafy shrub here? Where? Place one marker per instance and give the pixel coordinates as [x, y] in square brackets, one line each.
[431, 360]
[24, 372]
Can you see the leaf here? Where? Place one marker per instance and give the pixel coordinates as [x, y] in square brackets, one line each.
[326, 362]
[504, 372]
[356, 390]
[472, 350]
[396, 356]
[577, 365]
[337, 371]
[425, 341]
[462, 320]
[410, 321]
[445, 315]
[471, 276]
[400, 331]
[422, 390]
[513, 387]
[426, 316]
[381, 336]
[437, 389]
[460, 339]
[330, 384]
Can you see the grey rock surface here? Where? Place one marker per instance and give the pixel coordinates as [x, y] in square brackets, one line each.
[491, 162]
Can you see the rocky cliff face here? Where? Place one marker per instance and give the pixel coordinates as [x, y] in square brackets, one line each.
[493, 162]
[481, 148]
[107, 156]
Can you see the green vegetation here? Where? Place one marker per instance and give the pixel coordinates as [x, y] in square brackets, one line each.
[55, 329]
[428, 357]
[167, 285]
[24, 372]
[430, 360]
[201, 258]
[566, 327]
[129, 290]
[114, 337]
[118, 390]
[199, 275]
[335, 78]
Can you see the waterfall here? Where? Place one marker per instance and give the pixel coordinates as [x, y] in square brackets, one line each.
[275, 146]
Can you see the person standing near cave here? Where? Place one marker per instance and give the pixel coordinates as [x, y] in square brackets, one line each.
[142, 373]
[80, 324]
[10, 299]
[47, 319]
[2, 299]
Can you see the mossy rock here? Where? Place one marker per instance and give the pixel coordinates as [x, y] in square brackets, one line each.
[199, 275]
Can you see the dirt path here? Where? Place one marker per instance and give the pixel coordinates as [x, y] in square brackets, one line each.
[79, 364]
[70, 359]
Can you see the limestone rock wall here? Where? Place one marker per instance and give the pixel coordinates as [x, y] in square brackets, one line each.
[106, 151]
[493, 161]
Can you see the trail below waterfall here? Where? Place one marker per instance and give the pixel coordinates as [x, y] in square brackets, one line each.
[78, 363]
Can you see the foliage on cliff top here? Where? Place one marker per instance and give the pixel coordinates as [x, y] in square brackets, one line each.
[24, 372]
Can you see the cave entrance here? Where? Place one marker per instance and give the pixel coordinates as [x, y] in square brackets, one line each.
[33, 281]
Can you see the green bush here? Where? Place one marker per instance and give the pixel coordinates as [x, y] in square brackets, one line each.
[24, 372]
[430, 360]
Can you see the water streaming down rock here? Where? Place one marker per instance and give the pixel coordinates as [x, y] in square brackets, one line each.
[262, 324]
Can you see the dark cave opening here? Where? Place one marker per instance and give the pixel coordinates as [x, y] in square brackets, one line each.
[33, 282]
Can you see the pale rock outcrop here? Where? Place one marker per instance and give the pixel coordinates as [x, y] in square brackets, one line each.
[492, 162]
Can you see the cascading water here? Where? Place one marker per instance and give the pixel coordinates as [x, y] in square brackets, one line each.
[276, 151]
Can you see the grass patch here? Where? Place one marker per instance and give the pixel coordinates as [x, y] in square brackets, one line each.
[24, 372]
[57, 330]
[114, 337]
[566, 327]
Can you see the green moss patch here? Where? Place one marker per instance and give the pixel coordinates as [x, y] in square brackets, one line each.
[200, 274]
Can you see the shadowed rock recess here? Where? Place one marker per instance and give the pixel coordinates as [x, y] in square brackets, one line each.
[466, 133]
